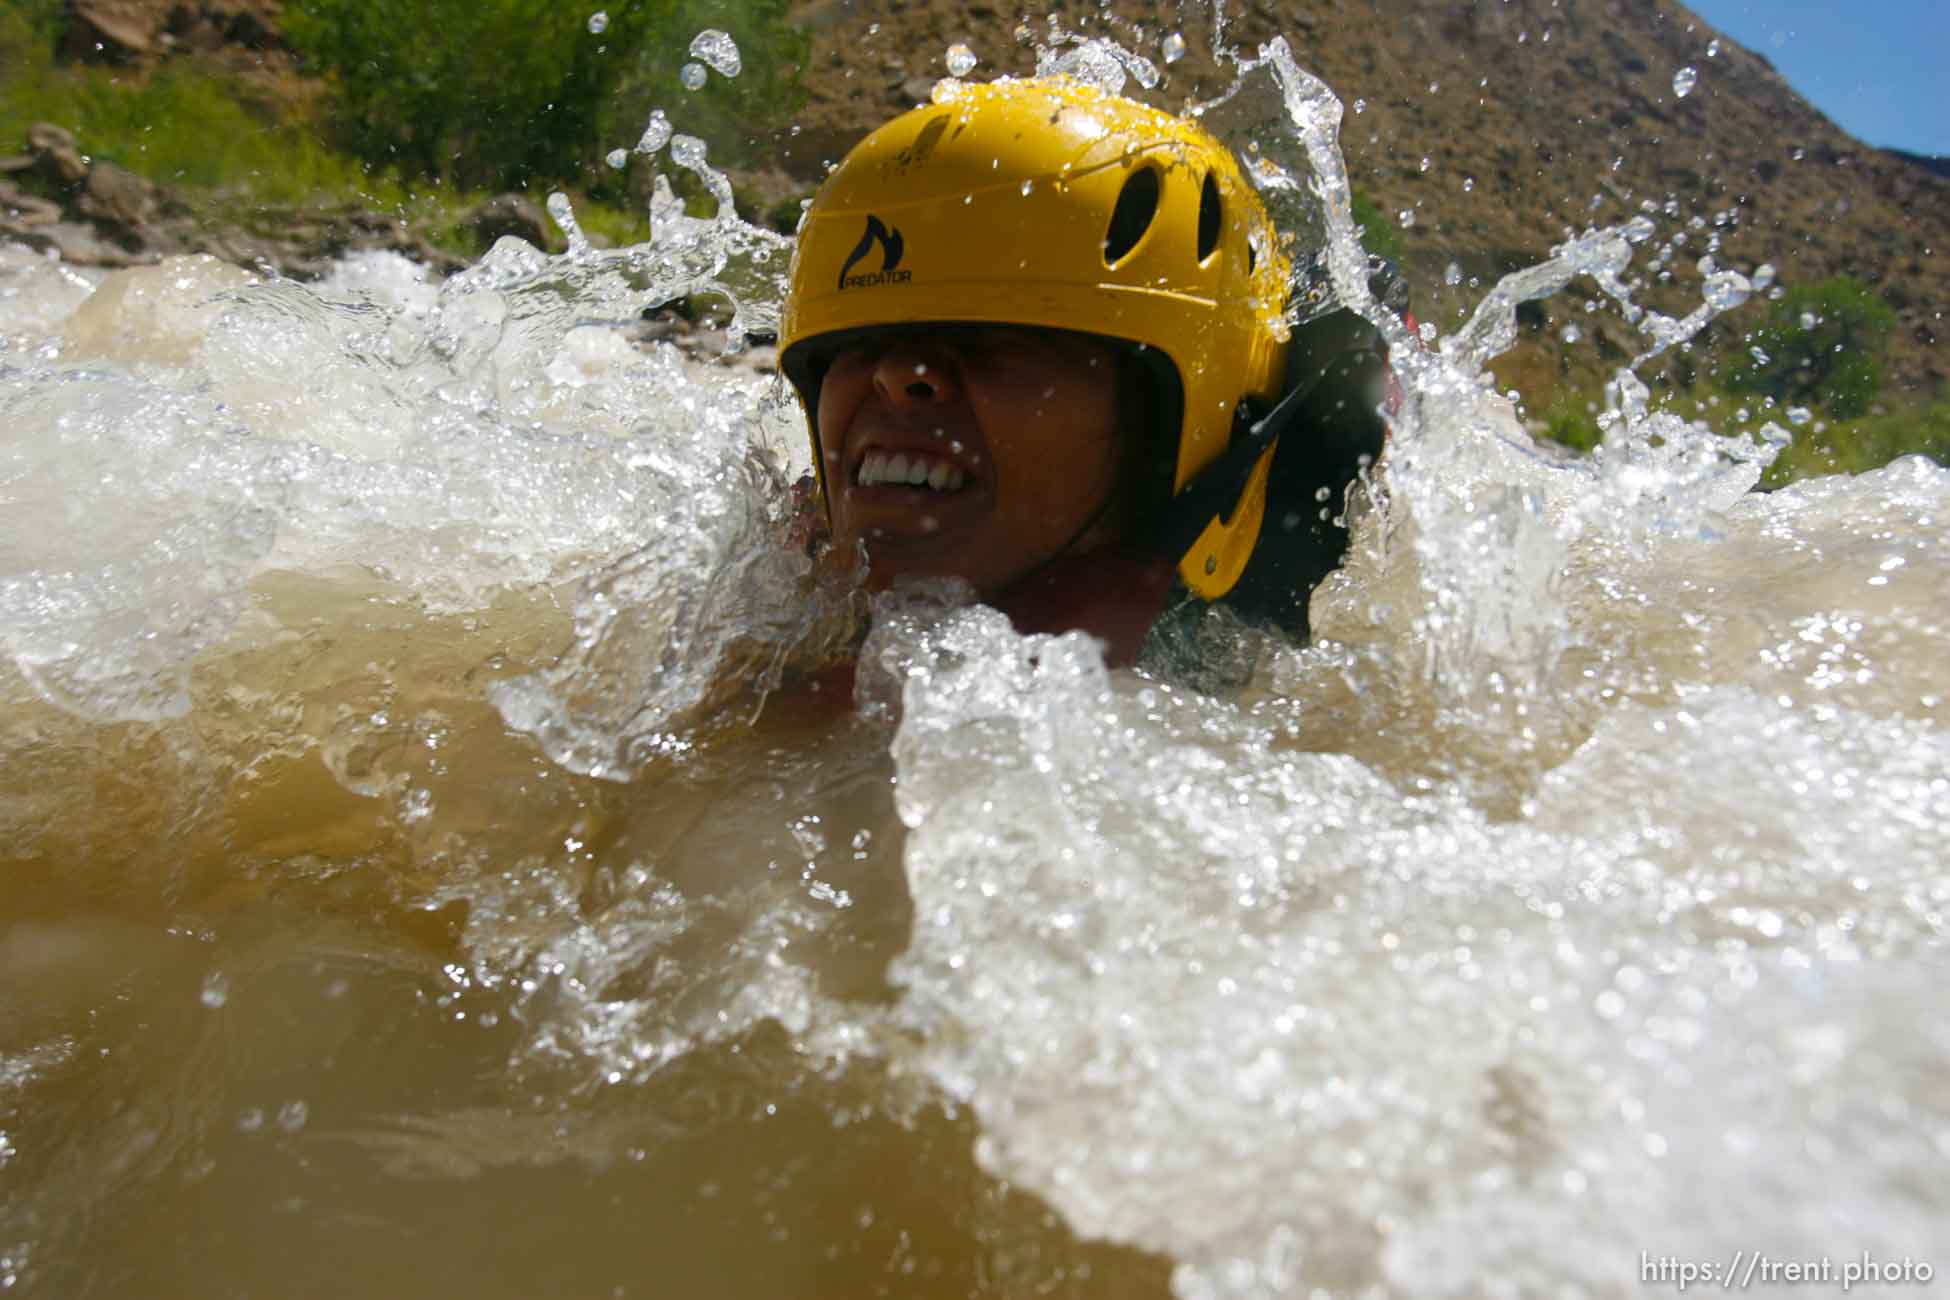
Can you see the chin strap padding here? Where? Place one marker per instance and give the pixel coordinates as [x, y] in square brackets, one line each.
[1314, 371]
[1214, 493]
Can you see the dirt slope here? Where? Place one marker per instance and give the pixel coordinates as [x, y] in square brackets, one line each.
[1499, 124]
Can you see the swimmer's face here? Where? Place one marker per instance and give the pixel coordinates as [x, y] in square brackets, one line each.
[1012, 432]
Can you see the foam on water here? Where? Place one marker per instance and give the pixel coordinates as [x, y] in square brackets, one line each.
[1578, 893]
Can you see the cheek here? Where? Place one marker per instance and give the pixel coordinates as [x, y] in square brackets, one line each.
[840, 395]
[1056, 454]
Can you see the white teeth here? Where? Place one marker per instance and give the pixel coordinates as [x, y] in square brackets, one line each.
[915, 470]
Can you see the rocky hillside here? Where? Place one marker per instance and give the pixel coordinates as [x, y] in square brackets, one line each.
[1496, 125]
[1500, 124]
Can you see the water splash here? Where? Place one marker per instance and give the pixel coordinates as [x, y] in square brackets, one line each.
[718, 52]
[1612, 787]
[1095, 61]
[656, 133]
[1486, 813]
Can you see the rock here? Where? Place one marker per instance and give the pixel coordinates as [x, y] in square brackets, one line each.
[117, 196]
[109, 31]
[80, 245]
[160, 314]
[21, 211]
[55, 153]
[250, 23]
[509, 214]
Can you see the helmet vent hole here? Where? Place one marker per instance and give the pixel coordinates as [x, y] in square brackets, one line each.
[1137, 204]
[1209, 216]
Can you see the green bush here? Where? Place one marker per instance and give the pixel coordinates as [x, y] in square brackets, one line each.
[1821, 348]
[1571, 422]
[28, 29]
[1852, 446]
[1379, 235]
[509, 94]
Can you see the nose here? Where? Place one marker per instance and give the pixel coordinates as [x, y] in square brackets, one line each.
[914, 372]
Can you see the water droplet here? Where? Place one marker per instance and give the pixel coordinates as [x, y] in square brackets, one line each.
[1469, 184]
[250, 1120]
[1453, 275]
[1360, 105]
[1799, 415]
[688, 151]
[1427, 163]
[1407, 217]
[1684, 80]
[1435, 87]
[216, 989]
[692, 75]
[1026, 187]
[1809, 320]
[961, 60]
[1713, 48]
[1570, 334]
[617, 158]
[598, 23]
[656, 133]
[718, 51]
[1726, 291]
[1171, 48]
[292, 1116]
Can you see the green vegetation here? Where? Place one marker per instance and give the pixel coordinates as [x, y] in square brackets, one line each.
[1820, 348]
[1572, 421]
[1819, 355]
[1852, 446]
[186, 129]
[511, 94]
[1379, 235]
[419, 109]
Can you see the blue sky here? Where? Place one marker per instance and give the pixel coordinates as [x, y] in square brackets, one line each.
[1879, 68]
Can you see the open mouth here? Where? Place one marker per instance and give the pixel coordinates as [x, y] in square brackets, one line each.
[910, 469]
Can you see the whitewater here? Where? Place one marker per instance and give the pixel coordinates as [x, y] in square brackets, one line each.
[399, 898]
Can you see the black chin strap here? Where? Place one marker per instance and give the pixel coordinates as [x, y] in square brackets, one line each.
[1215, 491]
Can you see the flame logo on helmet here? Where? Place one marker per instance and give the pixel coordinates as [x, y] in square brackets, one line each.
[891, 248]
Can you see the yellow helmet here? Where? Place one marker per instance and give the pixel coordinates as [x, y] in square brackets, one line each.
[1048, 202]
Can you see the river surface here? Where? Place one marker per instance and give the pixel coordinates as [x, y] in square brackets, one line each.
[396, 902]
